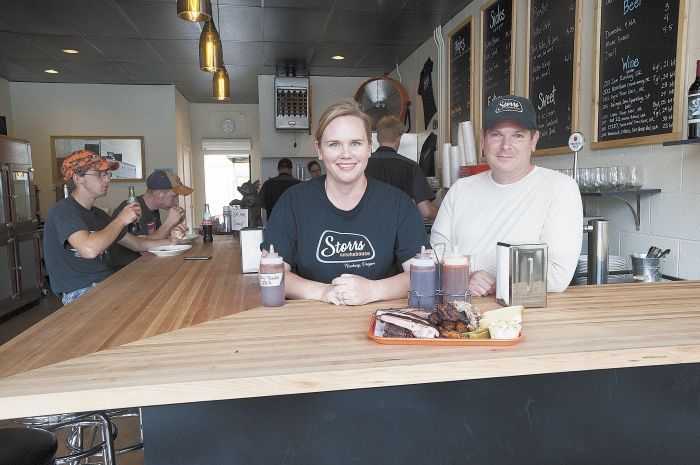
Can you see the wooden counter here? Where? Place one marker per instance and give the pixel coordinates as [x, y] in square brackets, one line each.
[134, 341]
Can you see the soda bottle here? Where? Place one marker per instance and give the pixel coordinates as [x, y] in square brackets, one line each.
[207, 229]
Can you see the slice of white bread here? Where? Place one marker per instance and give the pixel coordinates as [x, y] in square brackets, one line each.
[514, 313]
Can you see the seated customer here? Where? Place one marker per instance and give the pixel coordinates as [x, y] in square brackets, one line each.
[514, 202]
[273, 188]
[387, 165]
[162, 191]
[347, 239]
[77, 234]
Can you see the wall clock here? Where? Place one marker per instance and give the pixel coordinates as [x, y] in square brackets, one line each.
[228, 126]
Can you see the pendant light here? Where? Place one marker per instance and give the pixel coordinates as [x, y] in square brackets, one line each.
[194, 10]
[211, 53]
[221, 85]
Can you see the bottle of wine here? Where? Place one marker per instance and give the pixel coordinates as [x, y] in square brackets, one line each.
[133, 228]
[694, 106]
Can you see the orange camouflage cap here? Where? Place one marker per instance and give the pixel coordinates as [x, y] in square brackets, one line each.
[84, 160]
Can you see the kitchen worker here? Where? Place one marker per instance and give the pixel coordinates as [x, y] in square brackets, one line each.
[273, 188]
[515, 202]
[387, 165]
[77, 234]
[346, 238]
[163, 189]
[314, 169]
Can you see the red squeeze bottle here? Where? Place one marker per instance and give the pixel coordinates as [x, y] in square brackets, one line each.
[455, 277]
[271, 277]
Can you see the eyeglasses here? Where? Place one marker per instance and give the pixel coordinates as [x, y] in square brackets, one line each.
[100, 174]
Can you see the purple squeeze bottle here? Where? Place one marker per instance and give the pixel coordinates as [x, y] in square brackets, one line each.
[423, 278]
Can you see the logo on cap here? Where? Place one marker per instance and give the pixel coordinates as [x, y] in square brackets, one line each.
[509, 105]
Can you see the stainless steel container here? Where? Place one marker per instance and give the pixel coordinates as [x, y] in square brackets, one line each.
[521, 274]
[597, 251]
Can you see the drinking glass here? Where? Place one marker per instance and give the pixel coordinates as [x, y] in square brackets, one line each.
[635, 176]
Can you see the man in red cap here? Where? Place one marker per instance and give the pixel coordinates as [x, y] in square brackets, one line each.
[77, 234]
[163, 191]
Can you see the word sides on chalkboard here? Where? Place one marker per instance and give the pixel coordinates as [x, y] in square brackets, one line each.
[553, 71]
[497, 20]
[460, 75]
[637, 75]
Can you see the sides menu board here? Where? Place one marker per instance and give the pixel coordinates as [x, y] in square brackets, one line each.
[638, 72]
[497, 50]
[553, 71]
[460, 73]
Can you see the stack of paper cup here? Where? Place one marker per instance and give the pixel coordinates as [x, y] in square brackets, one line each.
[445, 165]
[466, 140]
[455, 163]
[461, 145]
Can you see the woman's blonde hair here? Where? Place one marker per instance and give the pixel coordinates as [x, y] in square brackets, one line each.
[343, 107]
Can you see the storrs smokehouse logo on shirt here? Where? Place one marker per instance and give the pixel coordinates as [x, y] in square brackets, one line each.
[337, 247]
[509, 105]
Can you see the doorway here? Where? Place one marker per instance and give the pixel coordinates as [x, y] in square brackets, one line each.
[223, 174]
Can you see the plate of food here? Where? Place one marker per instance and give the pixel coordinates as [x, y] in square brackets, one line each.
[448, 324]
[169, 250]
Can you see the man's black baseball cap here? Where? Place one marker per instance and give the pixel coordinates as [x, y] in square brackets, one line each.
[513, 108]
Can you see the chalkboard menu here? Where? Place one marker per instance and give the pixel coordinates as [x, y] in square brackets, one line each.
[497, 22]
[637, 72]
[553, 71]
[460, 72]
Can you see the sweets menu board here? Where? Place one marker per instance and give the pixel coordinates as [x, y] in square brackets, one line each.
[497, 50]
[460, 74]
[553, 71]
[638, 61]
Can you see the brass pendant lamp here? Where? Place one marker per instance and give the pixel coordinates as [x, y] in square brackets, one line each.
[211, 53]
[221, 85]
[194, 10]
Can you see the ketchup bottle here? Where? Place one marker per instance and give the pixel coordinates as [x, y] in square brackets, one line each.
[423, 277]
[455, 277]
[271, 279]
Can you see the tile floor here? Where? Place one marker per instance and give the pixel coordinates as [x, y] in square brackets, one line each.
[13, 324]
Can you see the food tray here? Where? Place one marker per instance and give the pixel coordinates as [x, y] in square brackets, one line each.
[439, 341]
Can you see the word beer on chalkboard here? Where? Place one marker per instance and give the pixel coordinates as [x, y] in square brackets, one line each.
[638, 72]
[460, 75]
[553, 71]
[498, 22]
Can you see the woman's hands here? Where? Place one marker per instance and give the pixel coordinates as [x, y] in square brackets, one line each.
[350, 289]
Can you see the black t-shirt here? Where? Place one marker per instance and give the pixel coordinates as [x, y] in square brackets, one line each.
[320, 242]
[427, 155]
[392, 168]
[68, 270]
[119, 256]
[425, 90]
[273, 188]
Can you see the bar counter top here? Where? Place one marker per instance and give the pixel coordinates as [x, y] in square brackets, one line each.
[167, 331]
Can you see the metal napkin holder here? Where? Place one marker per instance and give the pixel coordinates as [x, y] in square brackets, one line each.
[521, 274]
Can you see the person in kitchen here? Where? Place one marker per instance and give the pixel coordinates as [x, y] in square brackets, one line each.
[77, 234]
[273, 188]
[314, 169]
[387, 165]
[163, 189]
[514, 202]
[346, 238]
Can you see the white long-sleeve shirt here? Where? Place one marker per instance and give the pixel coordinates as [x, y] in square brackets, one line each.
[544, 206]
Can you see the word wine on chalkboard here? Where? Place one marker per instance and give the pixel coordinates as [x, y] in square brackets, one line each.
[460, 75]
[553, 71]
[497, 50]
[638, 72]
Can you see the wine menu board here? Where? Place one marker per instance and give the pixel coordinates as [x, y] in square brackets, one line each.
[553, 71]
[497, 20]
[638, 62]
[460, 74]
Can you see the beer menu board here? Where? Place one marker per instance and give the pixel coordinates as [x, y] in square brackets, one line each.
[636, 75]
[460, 74]
[496, 50]
[552, 70]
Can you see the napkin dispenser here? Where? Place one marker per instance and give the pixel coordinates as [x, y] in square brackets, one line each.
[251, 238]
[521, 274]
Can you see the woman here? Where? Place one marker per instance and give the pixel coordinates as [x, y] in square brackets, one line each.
[347, 239]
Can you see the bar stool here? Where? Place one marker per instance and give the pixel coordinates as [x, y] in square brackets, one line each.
[27, 446]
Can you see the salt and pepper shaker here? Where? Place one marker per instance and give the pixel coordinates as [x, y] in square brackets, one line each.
[271, 279]
[423, 281]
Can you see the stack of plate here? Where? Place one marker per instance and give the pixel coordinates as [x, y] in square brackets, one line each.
[615, 263]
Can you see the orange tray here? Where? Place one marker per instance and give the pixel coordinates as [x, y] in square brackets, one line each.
[415, 341]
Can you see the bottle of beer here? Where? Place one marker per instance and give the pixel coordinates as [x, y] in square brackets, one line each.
[133, 228]
[207, 228]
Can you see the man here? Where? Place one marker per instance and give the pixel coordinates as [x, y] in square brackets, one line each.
[314, 169]
[162, 191]
[77, 234]
[387, 165]
[515, 202]
[273, 188]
